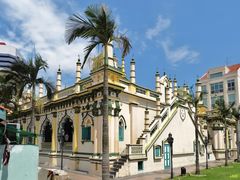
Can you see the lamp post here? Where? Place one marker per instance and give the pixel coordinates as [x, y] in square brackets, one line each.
[170, 142]
[61, 141]
[206, 144]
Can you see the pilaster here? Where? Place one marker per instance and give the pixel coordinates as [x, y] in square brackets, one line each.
[76, 128]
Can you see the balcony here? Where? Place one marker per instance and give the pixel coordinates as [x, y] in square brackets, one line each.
[135, 151]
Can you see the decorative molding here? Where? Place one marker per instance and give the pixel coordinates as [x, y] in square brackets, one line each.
[77, 109]
[54, 114]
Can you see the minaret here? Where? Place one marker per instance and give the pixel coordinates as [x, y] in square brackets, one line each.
[198, 90]
[59, 80]
[29, 95]
[110, 54]
[132, 71]
[175, 89]
[184, 89]
[40, 90]
[188, 90]
[123, 67]
[167, 96]
[146, 120]
[158, 104]
[78, 70]
[170, 88]
[158, 88]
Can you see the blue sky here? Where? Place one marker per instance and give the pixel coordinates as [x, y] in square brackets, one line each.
[182, 38]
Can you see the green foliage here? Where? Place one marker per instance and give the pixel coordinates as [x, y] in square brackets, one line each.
[216, 173]
[25, 74]
[98, 26]
[223, 109]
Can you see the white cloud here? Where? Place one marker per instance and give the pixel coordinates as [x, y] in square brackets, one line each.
[161, 25]
[182, 53]
[41, 23]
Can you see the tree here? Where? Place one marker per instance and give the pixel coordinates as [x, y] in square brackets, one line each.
[236, 114]
[8, 93]
[98, 26]
[25, 74]
[224, 112]
[193, 99]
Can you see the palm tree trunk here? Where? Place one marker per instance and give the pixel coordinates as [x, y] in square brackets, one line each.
[197, 145]
[105, 136]
[225, 141]
[33, 110]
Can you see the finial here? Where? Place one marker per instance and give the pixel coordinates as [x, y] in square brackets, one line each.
[59, 68]
[78, 58]
[164, 73]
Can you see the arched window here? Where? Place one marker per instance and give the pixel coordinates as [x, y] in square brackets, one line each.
[86, 130]
[47, 132]
[121, 130]
[67, 126]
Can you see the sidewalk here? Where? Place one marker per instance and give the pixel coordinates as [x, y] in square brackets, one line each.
[165, 174]
[156, 175]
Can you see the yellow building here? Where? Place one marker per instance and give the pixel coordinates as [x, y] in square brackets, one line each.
[140, 120]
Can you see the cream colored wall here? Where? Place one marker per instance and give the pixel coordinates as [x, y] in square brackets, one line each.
[184, 135]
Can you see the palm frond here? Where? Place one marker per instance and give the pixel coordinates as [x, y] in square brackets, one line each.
[48, 85]
[124, 44]
[88, 50]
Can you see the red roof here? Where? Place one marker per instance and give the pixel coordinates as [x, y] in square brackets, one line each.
[204, 76]
[2, 43]
[232, 68]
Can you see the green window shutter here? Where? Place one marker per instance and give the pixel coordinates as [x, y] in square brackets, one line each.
[83, 133]
[121, 133]
[86, 133]
[89, 133]
[157, 151]
[140, 165]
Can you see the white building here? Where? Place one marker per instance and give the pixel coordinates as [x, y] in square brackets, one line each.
[221, 82]
[8, 55]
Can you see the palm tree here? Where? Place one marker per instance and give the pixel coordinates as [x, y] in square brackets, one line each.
[25, 74]
[224, 112]
[236, 114]
[193, 99]
[8, 93]
[98, 26]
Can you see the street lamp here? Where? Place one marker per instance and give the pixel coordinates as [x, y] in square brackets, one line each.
[206, 144]
[61, 134]
[170, 142]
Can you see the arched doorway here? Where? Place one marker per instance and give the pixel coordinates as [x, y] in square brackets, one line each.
[46, 135]
[66, 127]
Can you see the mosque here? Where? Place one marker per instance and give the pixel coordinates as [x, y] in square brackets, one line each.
[140, 120]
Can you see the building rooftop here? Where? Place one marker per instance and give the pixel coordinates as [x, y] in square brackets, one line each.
[231, 69]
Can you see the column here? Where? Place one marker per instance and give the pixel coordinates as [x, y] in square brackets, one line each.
[37, 126]
[54, 132]
[76, 128]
